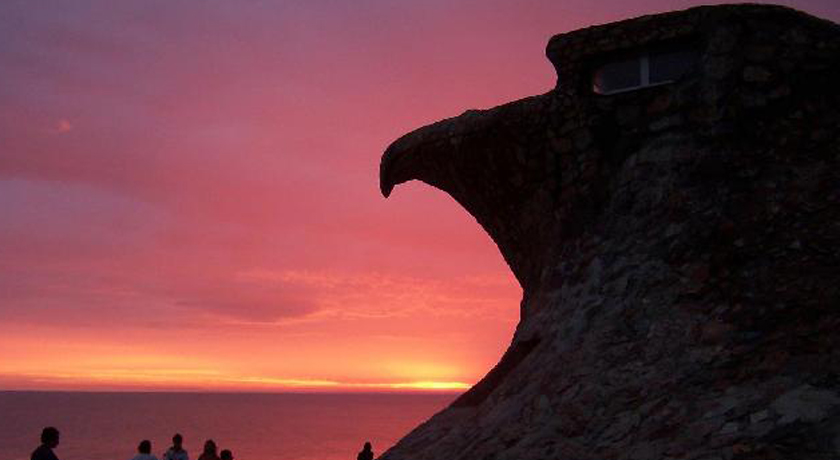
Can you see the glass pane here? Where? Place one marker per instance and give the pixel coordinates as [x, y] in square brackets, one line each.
[618, 75]
[671, 65]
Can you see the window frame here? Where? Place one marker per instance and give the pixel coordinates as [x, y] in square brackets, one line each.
[643, 61]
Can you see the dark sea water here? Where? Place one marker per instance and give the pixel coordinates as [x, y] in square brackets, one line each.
[108, 426]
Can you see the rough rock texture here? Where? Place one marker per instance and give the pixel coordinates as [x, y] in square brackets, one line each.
[678, 247]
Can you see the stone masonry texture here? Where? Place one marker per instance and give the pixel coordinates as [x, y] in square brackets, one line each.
[678, 247]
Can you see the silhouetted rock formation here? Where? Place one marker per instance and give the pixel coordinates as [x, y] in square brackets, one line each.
[678, 244]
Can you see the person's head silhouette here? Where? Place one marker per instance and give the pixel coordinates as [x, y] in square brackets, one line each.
[177, 441]
[210, 447]
[49, 437]
[226, 455]
[145, 447]
[368, 447]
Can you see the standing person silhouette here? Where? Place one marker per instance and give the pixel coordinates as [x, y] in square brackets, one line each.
[366, 453]
[176, 452]
[49, 441]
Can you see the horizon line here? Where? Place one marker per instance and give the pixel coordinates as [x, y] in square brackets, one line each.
[296, 391]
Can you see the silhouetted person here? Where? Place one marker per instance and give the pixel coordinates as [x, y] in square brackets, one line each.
[49, 441]
[226, 455]
[366, 453]
[144, 451]
[176, 452]
[209, 451]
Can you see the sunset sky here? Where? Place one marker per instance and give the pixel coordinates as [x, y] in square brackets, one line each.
[189, 190]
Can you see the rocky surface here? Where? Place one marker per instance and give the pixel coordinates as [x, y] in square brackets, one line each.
[678, 247]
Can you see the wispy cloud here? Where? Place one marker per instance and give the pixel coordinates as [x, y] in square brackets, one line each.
[372, 294]
[62, 126]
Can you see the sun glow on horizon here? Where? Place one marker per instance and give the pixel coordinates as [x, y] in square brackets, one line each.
[126, 380]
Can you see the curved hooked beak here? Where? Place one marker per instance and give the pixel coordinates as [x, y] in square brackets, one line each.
[487, 162]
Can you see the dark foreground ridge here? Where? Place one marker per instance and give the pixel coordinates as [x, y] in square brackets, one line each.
[672, 212]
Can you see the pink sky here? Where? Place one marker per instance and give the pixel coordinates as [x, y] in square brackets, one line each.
[190, 199]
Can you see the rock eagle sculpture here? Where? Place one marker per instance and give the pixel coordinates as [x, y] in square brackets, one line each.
[672, 212]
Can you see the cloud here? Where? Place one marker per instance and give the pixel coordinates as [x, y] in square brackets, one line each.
[62, 126]
[244, 304]
[381, 295]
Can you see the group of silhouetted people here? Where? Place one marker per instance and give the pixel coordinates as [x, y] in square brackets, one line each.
[177, 451]
[50, 435]
[50, 438]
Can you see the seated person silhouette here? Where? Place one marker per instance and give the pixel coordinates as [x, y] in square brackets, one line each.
[144, 451]
[366, 453]
[49, 441]
[226, 455]
[176, 452]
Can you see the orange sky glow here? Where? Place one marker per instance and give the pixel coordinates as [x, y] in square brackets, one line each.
[190, 194]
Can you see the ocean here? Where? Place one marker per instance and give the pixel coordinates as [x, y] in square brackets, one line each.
[255, 426]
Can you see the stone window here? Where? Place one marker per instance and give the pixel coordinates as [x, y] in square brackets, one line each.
[642, 70]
